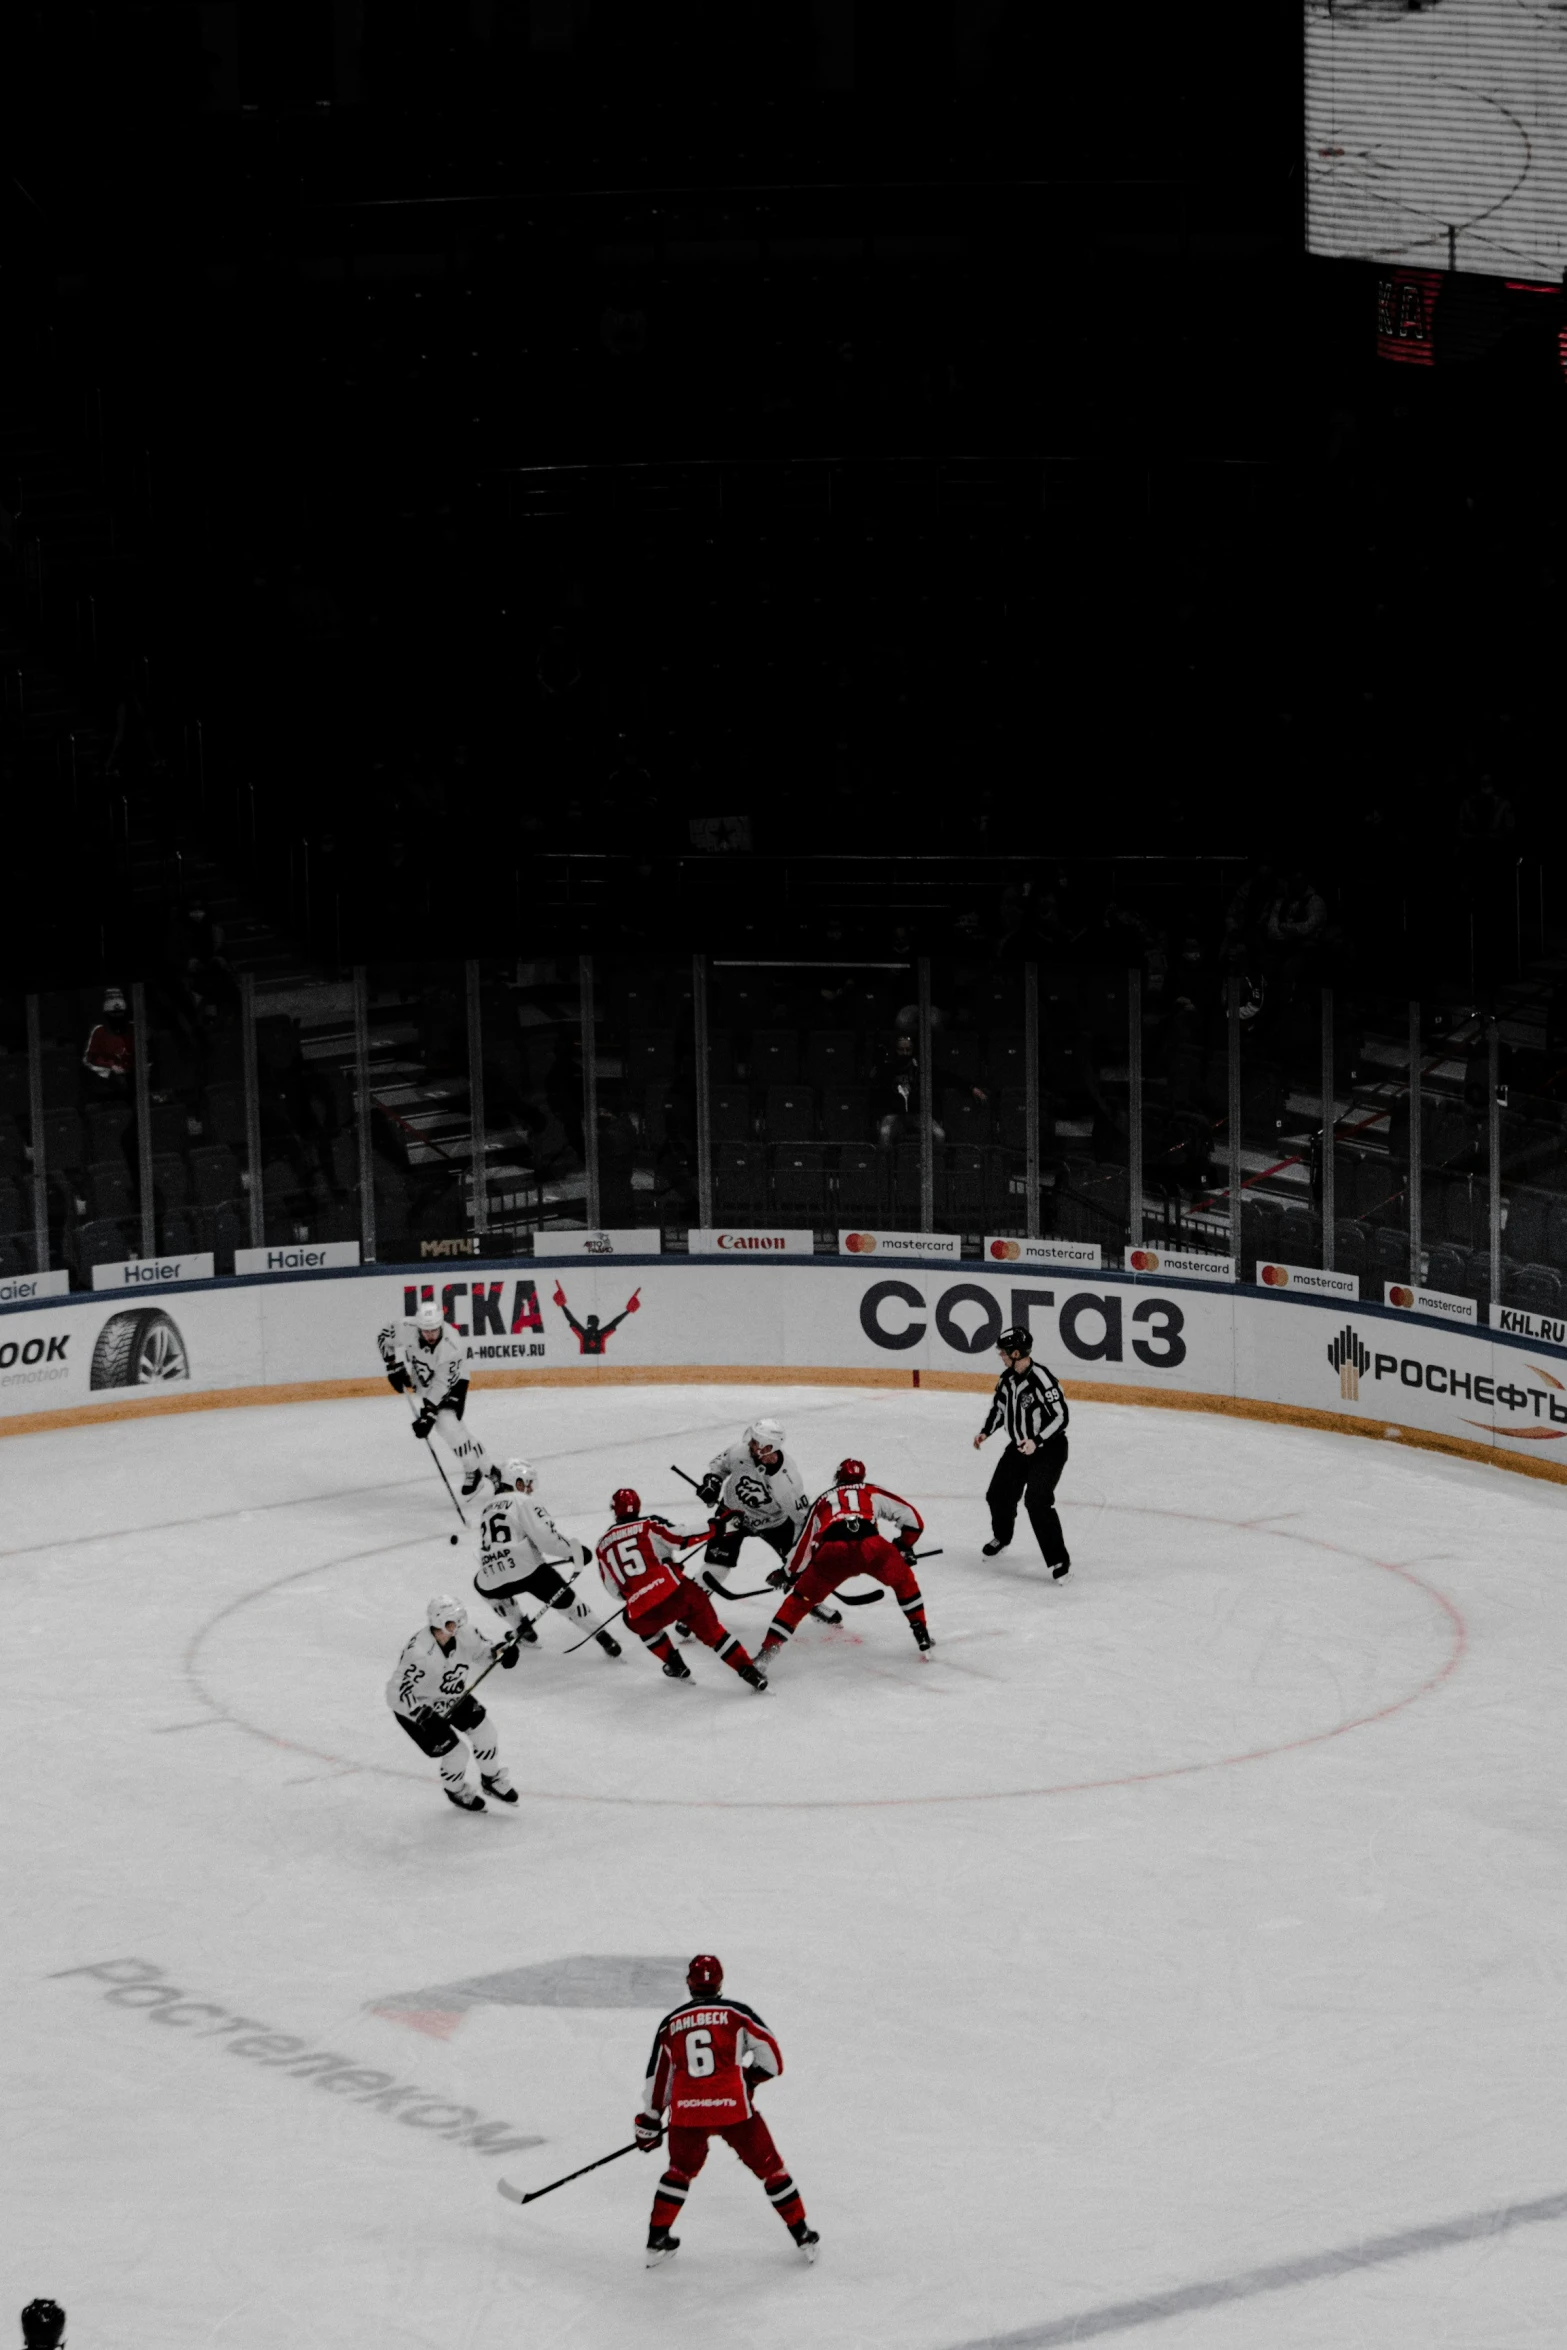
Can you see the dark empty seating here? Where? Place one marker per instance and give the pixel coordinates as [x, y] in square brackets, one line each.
[1005, 1060]
[108, 1189]
[729, 1107]
[224, 1115]
[65, 1142]
[170, 1179]
[1445, 1267]
[650, 1056]
[1525, 1232]
[740, 1179]
[1351, 1247]
[1300, 1236]
[1390, 1252]
[860, 1184]
[845, 1114]
[958, 1056]
[964, 1119]
[214, 1174]
[791, 1113]
[15, 1207]
[832, 1057]
[108, 1124]
[102, 1241]
[775, 1056]
[799, 1183]
[1535, 1288]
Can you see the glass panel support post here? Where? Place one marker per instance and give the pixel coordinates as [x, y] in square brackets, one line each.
[35, 1115]
[590, 1090]
[362, 1115]
[927, 1107]
[704, 1074]
[247, 1018]
[1329, 1131]
[1416, 1154]
[1236, 1172]
[1031, 1100]
[479, 1180]
[1134, 1105]
[1493, 1049]
[141, 1065]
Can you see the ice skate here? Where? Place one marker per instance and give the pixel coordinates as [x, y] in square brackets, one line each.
[661, 2246]
[989, 1549]
[464, 1801]
[500, 1793]
[677, 1669]
[753, 1677]
[808, 2242]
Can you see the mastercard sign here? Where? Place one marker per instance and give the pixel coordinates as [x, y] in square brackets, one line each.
[1438, 1302]
[1008, 1251]
[1180, 1264]
[1306, 1280]
[899, 1244]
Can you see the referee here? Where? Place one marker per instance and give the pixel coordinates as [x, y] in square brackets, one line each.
[1031, 1407]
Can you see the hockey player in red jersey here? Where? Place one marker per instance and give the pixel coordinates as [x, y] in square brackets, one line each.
[709, 2059]
[840, 1540]
[638, 1560]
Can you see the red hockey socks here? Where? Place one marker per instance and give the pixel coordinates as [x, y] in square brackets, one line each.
[784, 2197]
[673, 2189]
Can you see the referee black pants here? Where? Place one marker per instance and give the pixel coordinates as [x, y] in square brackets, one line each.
[1030, 1478]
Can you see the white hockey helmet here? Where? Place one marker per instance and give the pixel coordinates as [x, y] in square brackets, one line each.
[429, 1316]
[517, 1472]
[766, 1435]
[443, 1609]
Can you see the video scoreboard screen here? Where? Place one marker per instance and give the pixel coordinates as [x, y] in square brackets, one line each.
[1436, 134]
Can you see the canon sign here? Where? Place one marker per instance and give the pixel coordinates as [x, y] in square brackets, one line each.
[970, 1320]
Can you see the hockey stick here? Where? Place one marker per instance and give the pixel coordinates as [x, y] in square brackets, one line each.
[516, 2195]
[690, 1542]
[435, 1456]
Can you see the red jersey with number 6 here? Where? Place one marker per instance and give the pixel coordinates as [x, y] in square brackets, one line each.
[701, 2054]
[639, 1560]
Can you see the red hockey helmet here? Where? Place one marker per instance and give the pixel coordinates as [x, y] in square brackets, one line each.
[849, 1473]
[626, 1502]
[705, 1973]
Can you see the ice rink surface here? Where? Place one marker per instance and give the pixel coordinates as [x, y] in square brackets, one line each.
[1194, 1920]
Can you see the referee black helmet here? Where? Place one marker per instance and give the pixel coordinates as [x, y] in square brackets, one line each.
[1016, 1340]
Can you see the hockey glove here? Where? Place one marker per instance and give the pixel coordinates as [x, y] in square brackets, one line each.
[424, 1422]
[754, 2077]
[397, 1378]
[710, 1488]
[505, 1651]
[650, 2132]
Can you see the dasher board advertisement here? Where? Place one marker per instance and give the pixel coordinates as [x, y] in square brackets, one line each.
[1105, 1334]
[154, 1272]
[1307, 1280]
[899, 1244]
[750, 1241]
[1002, 1251]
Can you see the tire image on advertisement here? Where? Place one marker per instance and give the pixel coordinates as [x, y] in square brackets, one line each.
[141, 1347]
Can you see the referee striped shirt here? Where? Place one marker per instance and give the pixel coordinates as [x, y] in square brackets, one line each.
[1027, 1403]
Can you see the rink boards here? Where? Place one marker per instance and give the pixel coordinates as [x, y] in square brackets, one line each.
[1360, 1368]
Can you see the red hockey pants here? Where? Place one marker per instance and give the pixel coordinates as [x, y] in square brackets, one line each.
[835, 1562]
[691, 1606]
[753, 2142]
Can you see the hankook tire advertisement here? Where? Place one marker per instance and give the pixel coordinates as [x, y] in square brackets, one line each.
[1345, 1362]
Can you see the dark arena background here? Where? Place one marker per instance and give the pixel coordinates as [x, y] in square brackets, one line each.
[744, 694]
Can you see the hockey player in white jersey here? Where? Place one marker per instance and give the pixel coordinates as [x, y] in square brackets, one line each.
[755, 1487]
[521, 1549]
[425, 1359]
[428, 1694]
